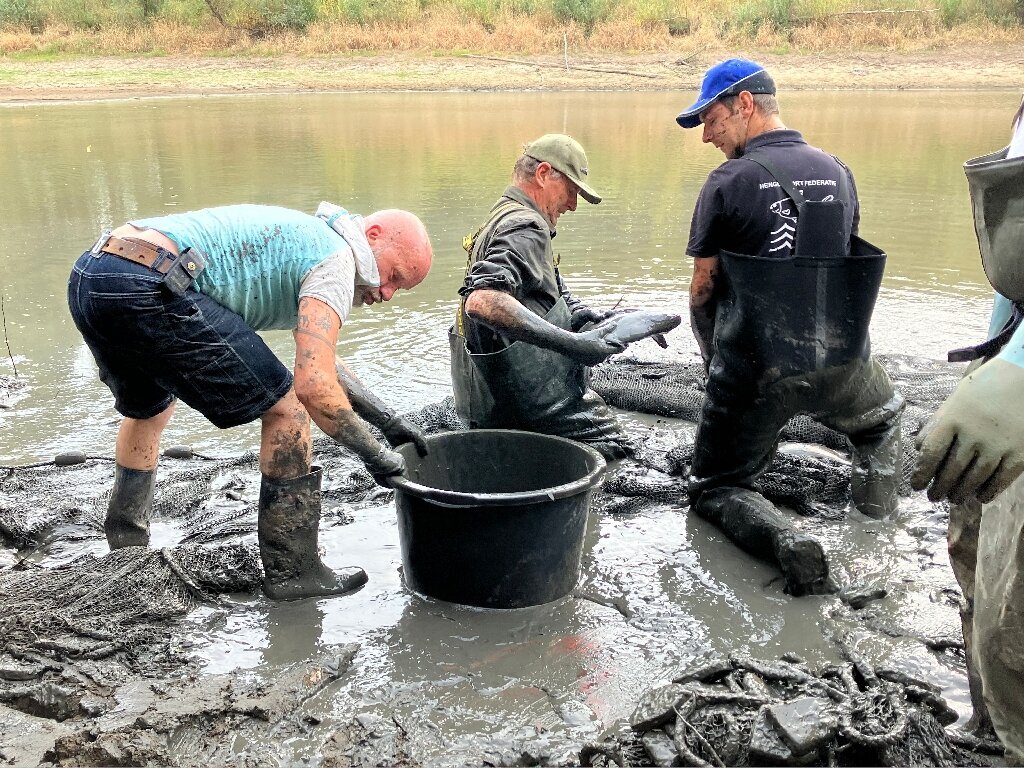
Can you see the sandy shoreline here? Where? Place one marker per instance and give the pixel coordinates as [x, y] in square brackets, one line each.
[992, 67]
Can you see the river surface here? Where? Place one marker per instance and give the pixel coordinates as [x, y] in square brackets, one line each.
[69, 171]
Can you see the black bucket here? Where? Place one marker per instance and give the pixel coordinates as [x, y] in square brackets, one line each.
[495, 518]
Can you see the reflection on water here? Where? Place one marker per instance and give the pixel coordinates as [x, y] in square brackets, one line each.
[68, 171]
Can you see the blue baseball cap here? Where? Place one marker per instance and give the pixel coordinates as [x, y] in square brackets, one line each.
[727, 79]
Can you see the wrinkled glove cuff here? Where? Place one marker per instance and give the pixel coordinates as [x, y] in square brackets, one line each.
[386, 463]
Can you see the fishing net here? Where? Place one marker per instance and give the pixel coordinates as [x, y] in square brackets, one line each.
[125, 604]
[97, 607]
[742, 711]
[810, 482]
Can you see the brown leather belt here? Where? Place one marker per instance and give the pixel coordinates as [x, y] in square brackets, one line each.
[139, 251]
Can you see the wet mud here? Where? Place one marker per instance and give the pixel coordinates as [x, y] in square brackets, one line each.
[386, 677]
[12, 389]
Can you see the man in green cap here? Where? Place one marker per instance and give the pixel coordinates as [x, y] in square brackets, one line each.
[519, 360]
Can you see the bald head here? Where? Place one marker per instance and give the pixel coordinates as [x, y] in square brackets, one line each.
[401, 246]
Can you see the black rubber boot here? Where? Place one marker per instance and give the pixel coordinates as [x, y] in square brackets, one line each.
[131, 502]
[756, 526]
[288, 527]
[803, 564]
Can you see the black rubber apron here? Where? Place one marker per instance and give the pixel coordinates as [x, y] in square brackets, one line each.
[799, 314]
[524, 386]
[791, 336]
[997, 200]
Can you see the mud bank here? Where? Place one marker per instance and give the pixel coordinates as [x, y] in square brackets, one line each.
[990, 66]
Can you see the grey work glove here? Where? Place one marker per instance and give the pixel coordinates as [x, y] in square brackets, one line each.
[385, 466]
[974, 445]
[399, 431]
[591, 348]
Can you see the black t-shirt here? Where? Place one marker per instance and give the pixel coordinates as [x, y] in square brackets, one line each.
[742, 209]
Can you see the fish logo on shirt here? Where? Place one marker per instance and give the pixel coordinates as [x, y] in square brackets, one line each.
[784, 236]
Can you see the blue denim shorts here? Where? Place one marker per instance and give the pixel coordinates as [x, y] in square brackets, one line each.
[151, 346]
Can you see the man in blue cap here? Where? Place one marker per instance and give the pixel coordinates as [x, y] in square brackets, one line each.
[780, 311]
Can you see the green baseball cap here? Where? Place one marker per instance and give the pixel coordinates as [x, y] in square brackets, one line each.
[565, 155]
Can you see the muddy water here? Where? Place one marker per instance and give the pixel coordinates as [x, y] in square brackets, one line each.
[659, 588]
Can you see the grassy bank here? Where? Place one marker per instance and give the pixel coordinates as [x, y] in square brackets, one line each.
[43, 28]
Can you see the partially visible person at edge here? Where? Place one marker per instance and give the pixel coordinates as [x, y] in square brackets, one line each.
[972, 453]
[778, 339]
[170, 306]
[518, 358]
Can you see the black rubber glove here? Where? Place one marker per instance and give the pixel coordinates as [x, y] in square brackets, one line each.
[386, 465]
[399, 431]
[583, 315]
[589, 348]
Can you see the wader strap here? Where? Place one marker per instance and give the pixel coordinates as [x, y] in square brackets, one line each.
[993, 346]
[786, 183]
[469, 245]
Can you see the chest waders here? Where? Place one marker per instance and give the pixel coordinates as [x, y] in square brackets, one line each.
[524, 386]
[996, 183]
[791, 336]
[987, 543]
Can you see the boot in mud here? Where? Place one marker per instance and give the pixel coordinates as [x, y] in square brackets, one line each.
[288, 528]
[756, 526]
[803, 564]
[131, 502]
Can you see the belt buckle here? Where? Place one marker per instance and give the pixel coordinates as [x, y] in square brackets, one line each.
[104, 238]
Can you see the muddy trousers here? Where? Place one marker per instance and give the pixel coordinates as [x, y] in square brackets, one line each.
[737, 436]
[962, 540]
[997, 636]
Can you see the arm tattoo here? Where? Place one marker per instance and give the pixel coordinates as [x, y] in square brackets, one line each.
[317, 336]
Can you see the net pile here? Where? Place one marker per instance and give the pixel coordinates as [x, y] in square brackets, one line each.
[741, 711]
[126, 603]
[676, 389]
[118, 604]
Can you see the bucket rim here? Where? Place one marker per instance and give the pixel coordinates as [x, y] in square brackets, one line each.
[448, 498]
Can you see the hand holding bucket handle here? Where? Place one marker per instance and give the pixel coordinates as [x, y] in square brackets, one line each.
[385, 466]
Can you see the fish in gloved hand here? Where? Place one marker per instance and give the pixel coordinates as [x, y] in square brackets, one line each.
[630, 325]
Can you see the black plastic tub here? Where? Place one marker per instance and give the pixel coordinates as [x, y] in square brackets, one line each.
[495, 518]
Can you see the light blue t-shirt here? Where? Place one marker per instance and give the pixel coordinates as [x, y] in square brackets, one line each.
[257, 255]
[1013, 352]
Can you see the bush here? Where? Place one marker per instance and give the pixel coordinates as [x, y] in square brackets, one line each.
[951, 12]
[260, 17]
[21, 13]
[525, 7]
[585, 13]
[753, 14]
[374, 11]
[652, 11]
[680, 26]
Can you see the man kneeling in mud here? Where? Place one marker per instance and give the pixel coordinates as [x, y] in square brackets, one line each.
[780, 301]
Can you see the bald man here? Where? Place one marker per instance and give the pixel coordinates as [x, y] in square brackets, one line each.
[170, 306]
